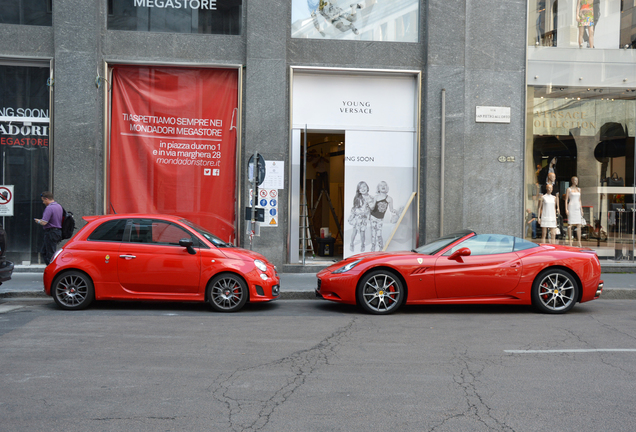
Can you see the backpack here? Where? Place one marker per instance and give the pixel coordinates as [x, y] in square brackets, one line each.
[68, 224]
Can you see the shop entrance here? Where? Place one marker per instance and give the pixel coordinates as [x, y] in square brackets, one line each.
[353, 164]
[322, 208]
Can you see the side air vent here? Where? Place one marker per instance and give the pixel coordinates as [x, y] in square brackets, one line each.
[420, 270]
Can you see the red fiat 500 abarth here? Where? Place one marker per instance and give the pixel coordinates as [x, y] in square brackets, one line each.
[156, 257]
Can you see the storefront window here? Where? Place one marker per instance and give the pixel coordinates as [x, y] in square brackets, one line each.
[176, 16]
[28, 12]
[582, 141]
[24, 157]
[379, 20]
[608, 24]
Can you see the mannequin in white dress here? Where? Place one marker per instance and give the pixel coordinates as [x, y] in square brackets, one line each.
[573, 209]
[548, 210]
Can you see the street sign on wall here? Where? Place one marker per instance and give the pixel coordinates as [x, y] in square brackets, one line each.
[6, 200]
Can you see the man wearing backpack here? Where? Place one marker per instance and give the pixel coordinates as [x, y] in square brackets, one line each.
[52, 223]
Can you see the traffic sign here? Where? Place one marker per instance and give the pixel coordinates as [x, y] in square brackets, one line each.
[6, 200]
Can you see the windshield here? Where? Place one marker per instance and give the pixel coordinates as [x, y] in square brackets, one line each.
[207, 234]
[437, 245]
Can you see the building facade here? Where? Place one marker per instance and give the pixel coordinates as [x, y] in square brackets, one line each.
[159, 106]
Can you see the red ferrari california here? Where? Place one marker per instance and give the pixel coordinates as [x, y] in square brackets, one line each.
[156, 257]
[466, 268]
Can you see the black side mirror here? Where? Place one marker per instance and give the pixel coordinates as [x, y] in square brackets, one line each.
[187, 243]
[459, 253]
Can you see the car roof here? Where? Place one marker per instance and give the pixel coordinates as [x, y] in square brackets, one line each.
[132, 215]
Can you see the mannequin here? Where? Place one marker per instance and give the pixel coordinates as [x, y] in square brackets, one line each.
[548, 210]
[585, 18]
[573, 209]
[548, 173]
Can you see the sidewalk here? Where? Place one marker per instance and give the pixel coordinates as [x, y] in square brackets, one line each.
[27, 282]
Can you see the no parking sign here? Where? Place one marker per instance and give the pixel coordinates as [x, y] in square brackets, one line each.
[6, 200]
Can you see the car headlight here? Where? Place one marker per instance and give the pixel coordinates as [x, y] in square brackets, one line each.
[348, 267]
[260, 265]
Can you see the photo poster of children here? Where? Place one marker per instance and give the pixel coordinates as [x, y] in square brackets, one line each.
[380, 177]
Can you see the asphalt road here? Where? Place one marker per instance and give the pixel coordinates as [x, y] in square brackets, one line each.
[311, 365]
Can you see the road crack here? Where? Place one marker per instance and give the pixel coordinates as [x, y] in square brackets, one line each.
[476, 409]
[251, 395]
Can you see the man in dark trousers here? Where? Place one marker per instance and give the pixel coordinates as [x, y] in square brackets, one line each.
[52, 223]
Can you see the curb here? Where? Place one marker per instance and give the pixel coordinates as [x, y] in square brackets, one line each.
[608, 294]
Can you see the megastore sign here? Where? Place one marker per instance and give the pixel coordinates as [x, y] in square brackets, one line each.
[177, 4]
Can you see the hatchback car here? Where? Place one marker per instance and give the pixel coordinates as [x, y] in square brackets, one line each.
[156, 257]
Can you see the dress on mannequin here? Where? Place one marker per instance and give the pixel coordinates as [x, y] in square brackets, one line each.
[548, 215]
[574, 208]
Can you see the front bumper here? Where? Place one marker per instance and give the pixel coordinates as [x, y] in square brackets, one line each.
[6, 270]
[339, 288]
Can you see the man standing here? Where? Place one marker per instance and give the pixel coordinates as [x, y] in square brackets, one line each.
[52, 223]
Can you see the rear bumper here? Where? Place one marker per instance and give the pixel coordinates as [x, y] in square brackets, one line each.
[599, 290]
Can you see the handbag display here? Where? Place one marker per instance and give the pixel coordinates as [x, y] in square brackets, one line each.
[615, 180]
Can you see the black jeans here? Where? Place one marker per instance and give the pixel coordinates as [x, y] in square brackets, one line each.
[52, 237]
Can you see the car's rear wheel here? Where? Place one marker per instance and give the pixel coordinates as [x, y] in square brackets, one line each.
[227, 293]
[380, 292]
[73, 290]
[554, 291]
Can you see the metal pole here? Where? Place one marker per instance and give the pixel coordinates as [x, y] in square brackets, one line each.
[441, 175]
[305, 227]
[254, 196]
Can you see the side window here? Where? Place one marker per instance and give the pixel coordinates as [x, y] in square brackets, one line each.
[166, 233]
[521, 244]
[112, 231]
[157, 232]
[486, 244]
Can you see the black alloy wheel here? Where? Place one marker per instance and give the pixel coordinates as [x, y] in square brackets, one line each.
[227, 292]
[73, 290]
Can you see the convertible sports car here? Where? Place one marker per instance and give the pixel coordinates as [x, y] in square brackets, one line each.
[466, 268]
[155, 257]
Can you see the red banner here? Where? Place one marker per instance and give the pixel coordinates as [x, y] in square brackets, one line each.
[173, 144]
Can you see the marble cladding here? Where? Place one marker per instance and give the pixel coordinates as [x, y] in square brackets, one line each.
[476, 68]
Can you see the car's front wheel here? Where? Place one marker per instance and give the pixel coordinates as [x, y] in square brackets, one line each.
[554, 291]
[227, 293]
[73, 290]
[380, 292]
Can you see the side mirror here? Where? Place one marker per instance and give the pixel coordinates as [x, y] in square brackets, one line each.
[459, 253]
[187, 243]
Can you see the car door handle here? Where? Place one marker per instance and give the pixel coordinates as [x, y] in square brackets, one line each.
[128, 257]
[515, 265]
